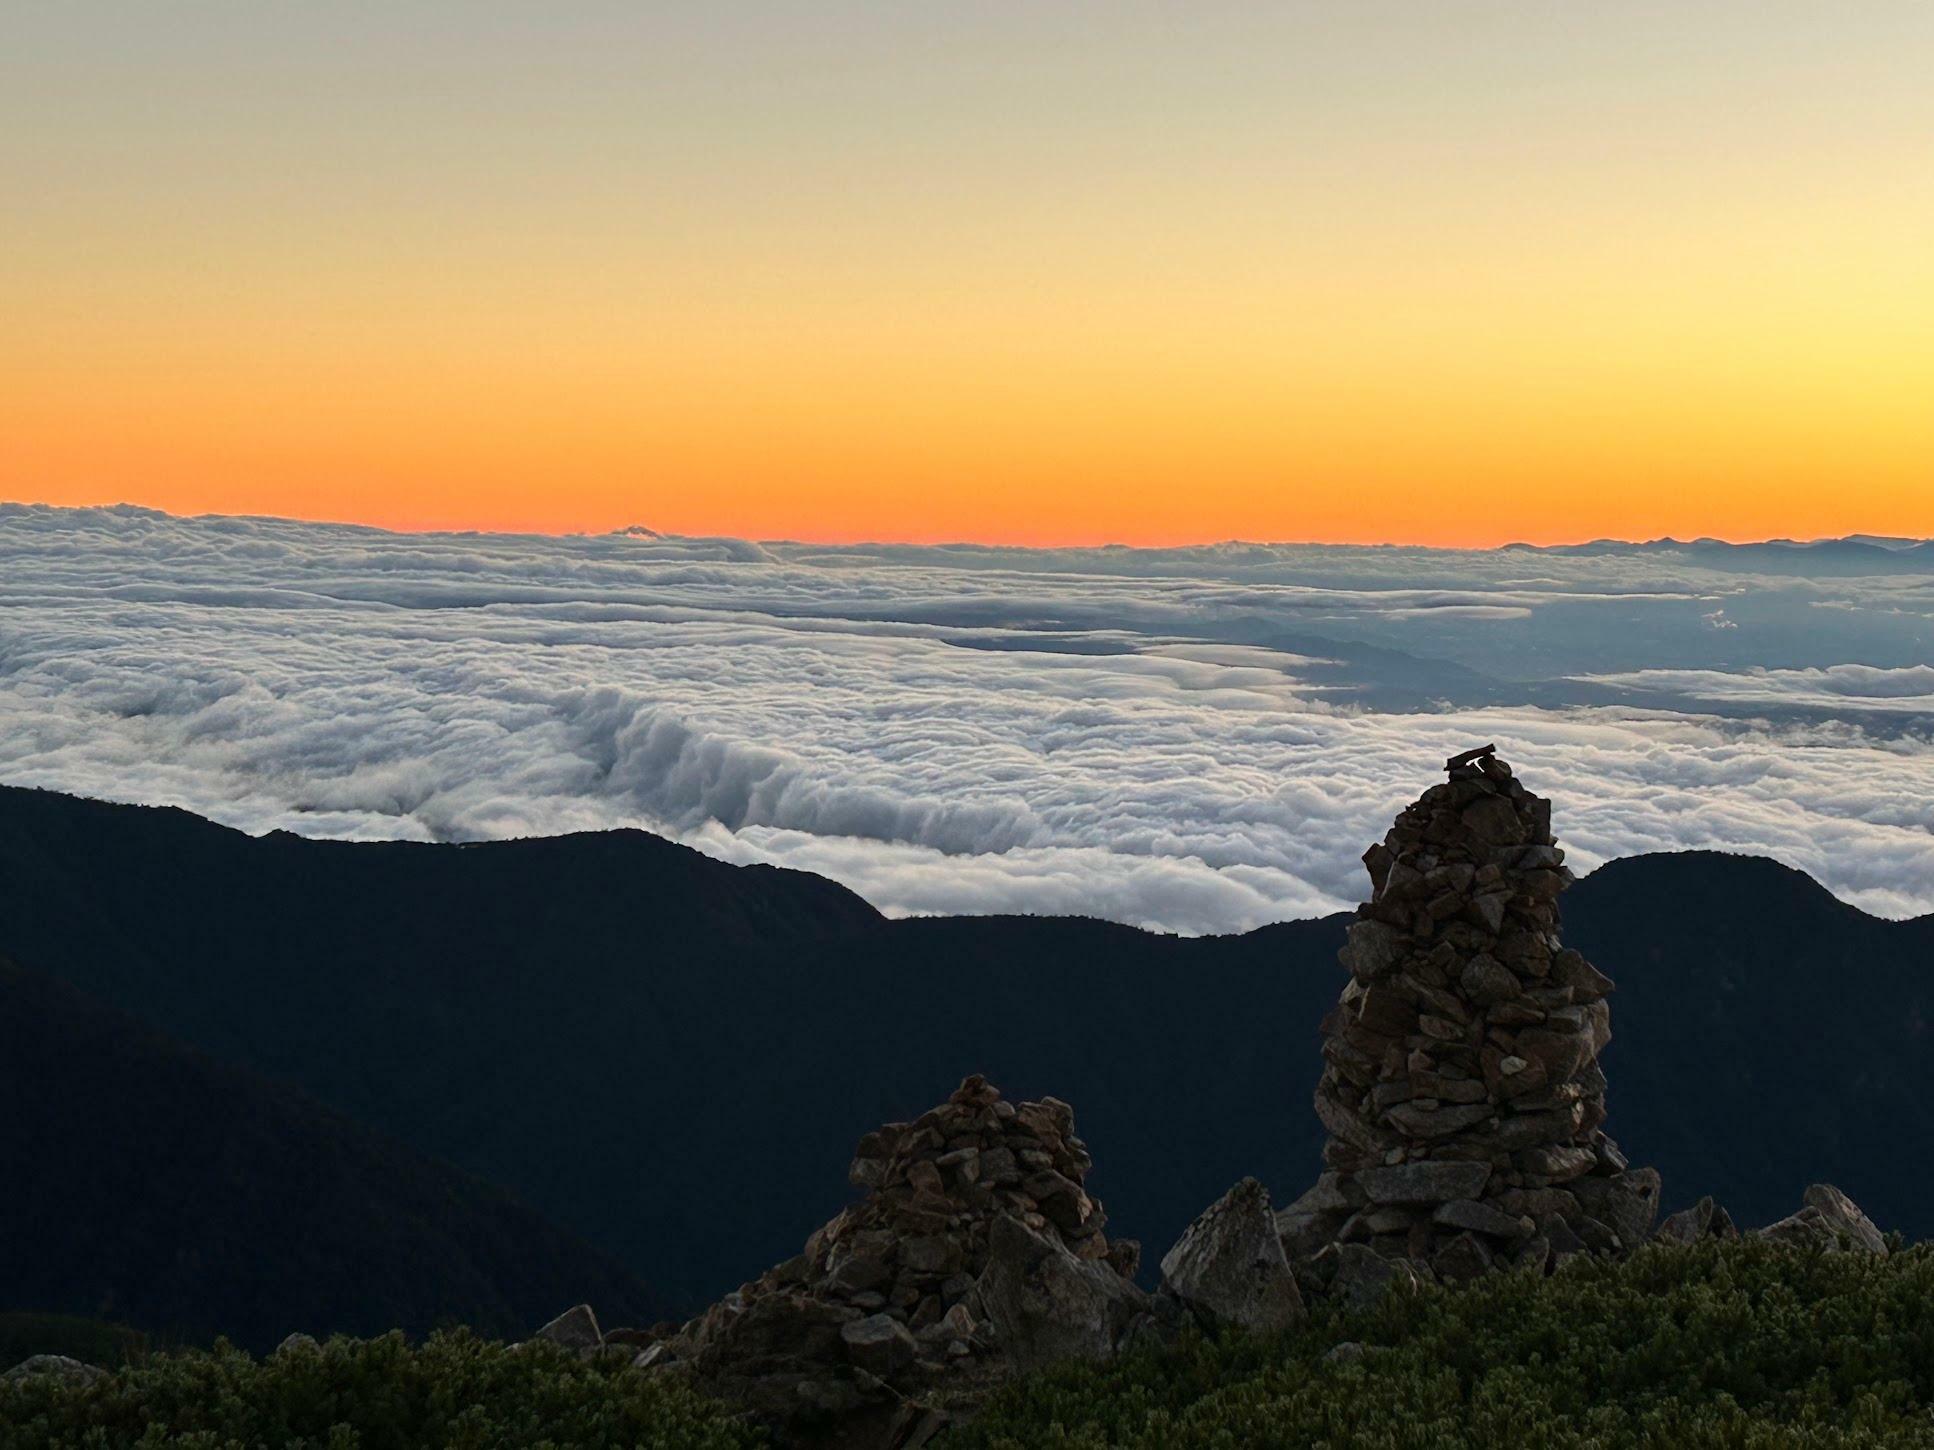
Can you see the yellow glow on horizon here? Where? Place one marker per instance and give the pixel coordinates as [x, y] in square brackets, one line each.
[1081, 306]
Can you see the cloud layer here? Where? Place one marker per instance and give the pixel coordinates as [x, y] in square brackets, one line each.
[1198, 740]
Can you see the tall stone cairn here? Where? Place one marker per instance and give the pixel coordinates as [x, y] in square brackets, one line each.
[1461, 1087]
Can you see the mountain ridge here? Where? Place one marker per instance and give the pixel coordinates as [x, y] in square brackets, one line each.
[13, 794]
[661, 1051]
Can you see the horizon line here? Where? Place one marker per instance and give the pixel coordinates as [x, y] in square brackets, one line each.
[1857, 536]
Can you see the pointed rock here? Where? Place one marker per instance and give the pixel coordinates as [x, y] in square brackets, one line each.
[1229, 1266]
[1828, 1220]
[574, 1329]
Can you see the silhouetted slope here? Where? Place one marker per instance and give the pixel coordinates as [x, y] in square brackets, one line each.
[146, 1183]
[587, 1020]
[1766, 1034]
[673, 1056]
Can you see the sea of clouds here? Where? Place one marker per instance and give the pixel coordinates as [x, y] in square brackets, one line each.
[1197, 740]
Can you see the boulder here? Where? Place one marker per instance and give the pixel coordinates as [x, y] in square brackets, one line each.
[574, 1329]
[1830, 1221]
[879, 1344]
[767, 1329]
[1359, 1276]
[1627, 1203]
[1046, 1305]
[55, 1366]
[298, 1344]
[1229, 1266]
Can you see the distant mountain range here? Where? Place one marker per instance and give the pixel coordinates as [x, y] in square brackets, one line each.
[1856, 554]
[671, 1057]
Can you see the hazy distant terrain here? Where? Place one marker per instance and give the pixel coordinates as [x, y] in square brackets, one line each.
[1198, 739]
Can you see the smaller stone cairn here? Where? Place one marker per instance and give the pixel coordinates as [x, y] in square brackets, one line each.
[1461, 1086]
[976, 1250]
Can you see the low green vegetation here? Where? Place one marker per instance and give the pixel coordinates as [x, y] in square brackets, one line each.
[453, 1391]
[1741, 1345]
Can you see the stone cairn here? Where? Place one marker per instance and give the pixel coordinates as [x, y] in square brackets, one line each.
[974, 1216]
[1461, 1087]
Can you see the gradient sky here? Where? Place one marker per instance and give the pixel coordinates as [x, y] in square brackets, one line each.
[1454, 272]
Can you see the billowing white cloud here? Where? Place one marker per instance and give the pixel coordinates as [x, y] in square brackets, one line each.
[1199, 740]
[1855, 688]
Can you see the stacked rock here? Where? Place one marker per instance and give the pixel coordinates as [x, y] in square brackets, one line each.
[1461, 1087]
[938, 1183]
[909, 1285]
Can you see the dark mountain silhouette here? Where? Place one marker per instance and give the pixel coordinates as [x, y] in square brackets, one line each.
[150, 1184]
[1766, 1035]
[673, 1056]
[1812, 558]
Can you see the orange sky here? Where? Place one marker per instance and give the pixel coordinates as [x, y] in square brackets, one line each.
[1137, 273]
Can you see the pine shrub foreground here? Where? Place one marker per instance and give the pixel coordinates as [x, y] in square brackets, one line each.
[1737, 1345]
[1741, 1345]
[454, 1390]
